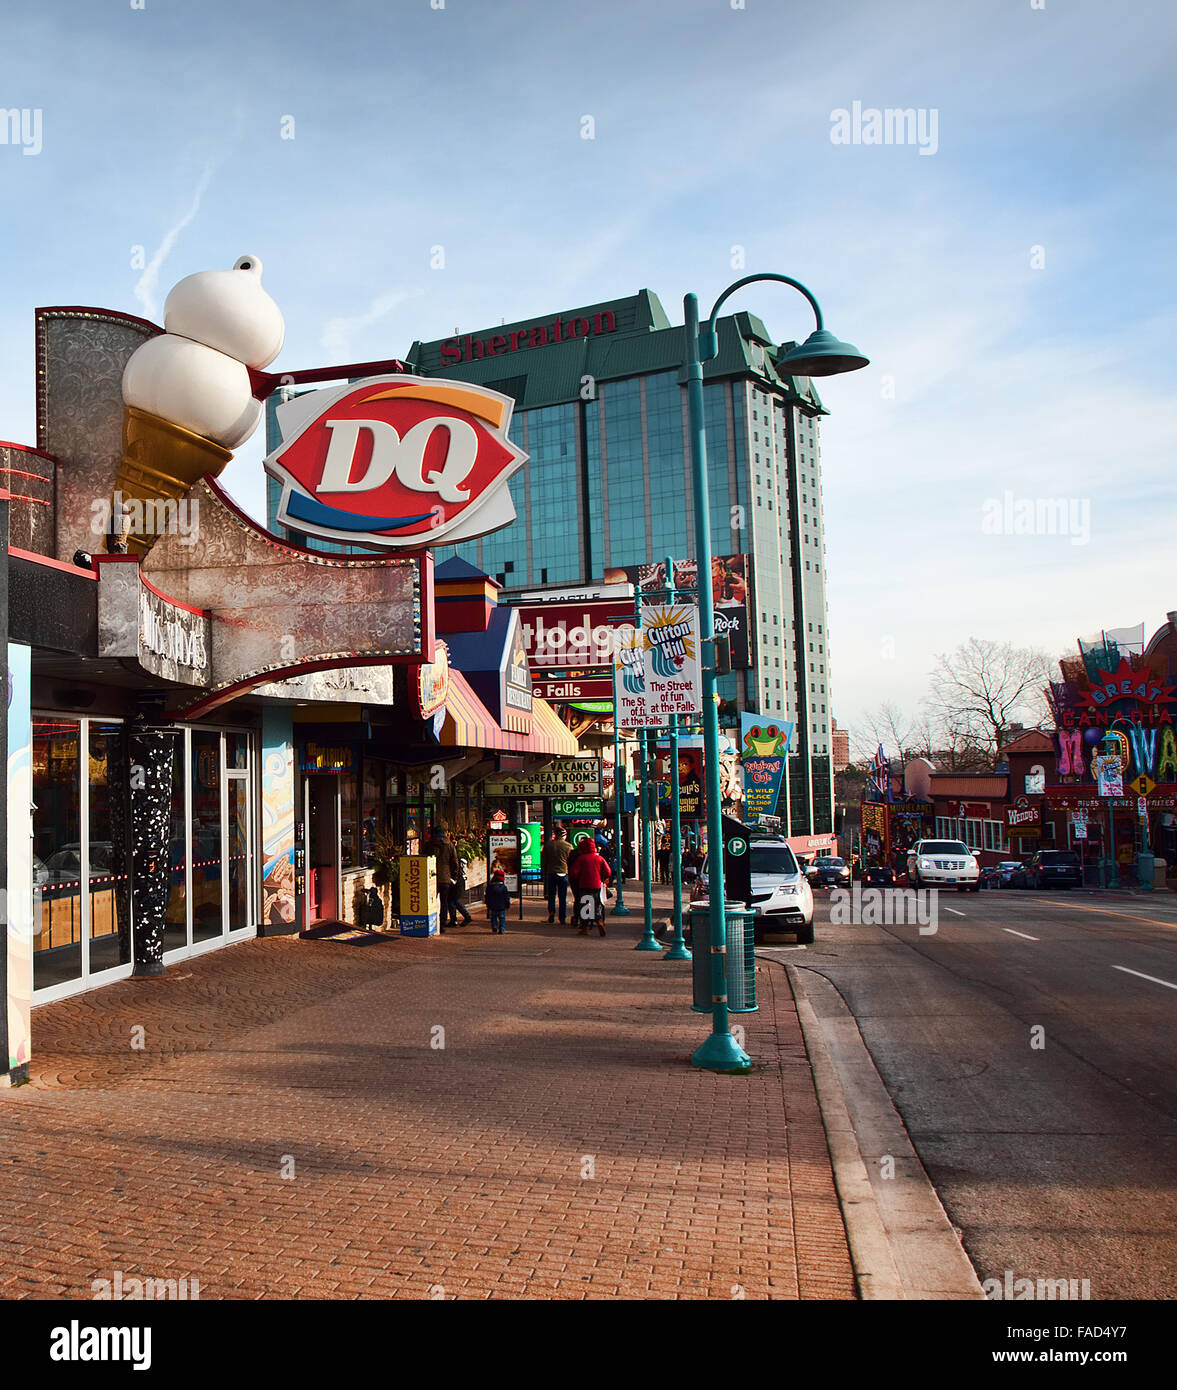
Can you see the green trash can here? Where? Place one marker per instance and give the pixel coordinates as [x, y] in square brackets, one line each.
[739, 960]
[1146, 867]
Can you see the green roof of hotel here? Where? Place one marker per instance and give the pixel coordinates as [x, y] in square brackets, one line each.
[643, 341]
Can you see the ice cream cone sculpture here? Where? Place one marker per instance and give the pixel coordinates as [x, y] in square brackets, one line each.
[187, 396]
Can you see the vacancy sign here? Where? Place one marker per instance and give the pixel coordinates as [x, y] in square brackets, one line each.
[659, 670]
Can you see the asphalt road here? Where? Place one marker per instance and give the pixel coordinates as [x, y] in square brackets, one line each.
[1034, 1062]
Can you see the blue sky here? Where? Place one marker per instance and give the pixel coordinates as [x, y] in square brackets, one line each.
[460, 127]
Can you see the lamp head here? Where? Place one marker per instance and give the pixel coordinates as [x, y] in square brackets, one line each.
[821, 354]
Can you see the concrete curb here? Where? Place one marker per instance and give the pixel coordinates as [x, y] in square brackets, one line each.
[902, 1244]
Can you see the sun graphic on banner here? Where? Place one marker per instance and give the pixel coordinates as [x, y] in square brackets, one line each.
[670, 636]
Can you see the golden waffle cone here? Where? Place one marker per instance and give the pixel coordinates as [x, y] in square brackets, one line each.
[161, 461]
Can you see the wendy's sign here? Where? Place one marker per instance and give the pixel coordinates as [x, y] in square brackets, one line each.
[396, 461]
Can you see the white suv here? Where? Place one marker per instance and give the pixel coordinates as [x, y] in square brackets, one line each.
[782, 899]
[932, 863]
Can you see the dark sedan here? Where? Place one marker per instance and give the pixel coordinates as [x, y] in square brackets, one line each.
[879, 876]
[827, 871]
[1003, 875]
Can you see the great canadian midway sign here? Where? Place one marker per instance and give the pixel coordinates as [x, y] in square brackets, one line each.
[565, 777]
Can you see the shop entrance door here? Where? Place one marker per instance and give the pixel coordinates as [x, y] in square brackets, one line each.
[321, 799]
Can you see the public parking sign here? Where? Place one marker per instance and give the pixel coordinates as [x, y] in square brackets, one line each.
[579, 807]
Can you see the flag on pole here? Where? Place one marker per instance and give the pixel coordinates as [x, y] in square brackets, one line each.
[882, 777]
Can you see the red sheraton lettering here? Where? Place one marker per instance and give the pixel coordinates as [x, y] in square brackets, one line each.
[472, 349]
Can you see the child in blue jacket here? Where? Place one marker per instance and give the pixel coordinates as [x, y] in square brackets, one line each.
[497, 902]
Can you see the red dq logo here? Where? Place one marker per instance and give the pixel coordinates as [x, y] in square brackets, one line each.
[396, 461]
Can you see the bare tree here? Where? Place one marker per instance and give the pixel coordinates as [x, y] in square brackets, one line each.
[886, 725]
[977, 691]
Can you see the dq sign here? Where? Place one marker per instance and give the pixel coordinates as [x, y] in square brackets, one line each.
[396, 461]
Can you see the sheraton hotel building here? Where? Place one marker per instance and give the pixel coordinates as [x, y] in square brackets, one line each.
[601, 409]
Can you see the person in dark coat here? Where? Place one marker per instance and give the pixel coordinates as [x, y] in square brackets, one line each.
[554, 864]
[448, 873]
[458, 897]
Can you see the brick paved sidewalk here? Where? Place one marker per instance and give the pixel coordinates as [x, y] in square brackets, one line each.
[558, 1146]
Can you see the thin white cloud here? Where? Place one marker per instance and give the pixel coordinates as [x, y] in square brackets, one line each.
[338, 332]
[146, 289]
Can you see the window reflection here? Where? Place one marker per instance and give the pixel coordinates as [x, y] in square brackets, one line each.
[238, 853]
[207, 912]
[57, 863]
[175, 931]
[109, 880]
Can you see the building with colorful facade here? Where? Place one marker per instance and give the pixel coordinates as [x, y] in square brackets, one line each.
[211, 731]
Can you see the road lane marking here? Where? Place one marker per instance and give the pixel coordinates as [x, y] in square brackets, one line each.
[1108, 912]
[954, 912]
[1138, 974]
[1025, 935]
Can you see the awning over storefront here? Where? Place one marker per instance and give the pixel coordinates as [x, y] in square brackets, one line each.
[469, 724]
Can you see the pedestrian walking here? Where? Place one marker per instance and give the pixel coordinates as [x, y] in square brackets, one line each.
[448, 870]
[589, 874]
[554, 864]
[458, 897]
[498, 900]
[664, 857]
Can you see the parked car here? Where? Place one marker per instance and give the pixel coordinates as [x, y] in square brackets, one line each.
[65, 866]
[879, 876]
[1051, 868]
[1005, 872]
[781, 896]
[828, 871]
[938, 863]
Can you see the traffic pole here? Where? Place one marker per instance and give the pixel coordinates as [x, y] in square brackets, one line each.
[649, 941]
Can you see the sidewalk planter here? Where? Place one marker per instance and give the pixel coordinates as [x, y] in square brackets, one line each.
[739, 960]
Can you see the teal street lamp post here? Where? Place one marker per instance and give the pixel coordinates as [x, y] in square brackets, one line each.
[619, 781]
[678, 947]
[649, 941]
[820, 355]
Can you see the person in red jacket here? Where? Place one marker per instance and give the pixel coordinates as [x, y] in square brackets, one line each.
[589, 874]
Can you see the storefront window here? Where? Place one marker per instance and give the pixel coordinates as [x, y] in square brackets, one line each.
[239, 855]
[349, 827]
[207, 912]
[175, 932]
[109, 872]
[375, 812]
[237, 751]
[57, 864]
